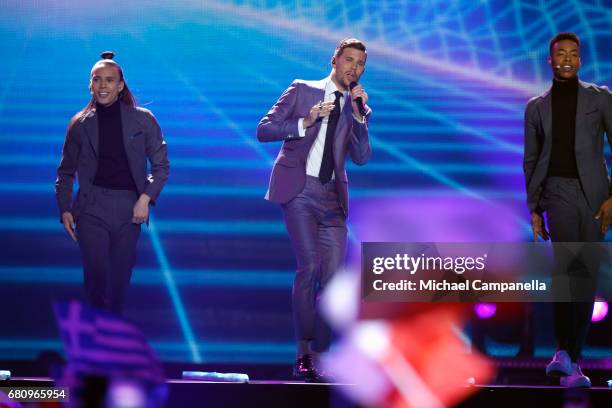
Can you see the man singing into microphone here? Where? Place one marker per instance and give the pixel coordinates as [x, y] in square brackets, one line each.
[319, 123]
[567, 178]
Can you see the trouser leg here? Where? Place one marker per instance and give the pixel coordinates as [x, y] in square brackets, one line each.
[570, 219]
[94, 242]
[301, 226]
[122, 260]
[317, 230]
[332, 243]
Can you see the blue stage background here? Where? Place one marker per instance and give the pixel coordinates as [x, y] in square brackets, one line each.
[448, 81]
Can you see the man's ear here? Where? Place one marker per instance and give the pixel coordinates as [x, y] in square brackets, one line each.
[333, 61]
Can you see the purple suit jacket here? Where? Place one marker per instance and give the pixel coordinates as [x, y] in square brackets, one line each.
[281, 124]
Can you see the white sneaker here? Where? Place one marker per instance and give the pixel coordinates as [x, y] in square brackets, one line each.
[560, 365]
[576, 378]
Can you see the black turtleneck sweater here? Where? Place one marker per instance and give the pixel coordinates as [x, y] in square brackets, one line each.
[113, 168]
[564, 103]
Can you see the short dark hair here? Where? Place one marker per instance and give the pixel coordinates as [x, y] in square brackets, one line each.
[349, 43]
[561, 37]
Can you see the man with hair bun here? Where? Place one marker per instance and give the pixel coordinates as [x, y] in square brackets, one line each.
[107, 146]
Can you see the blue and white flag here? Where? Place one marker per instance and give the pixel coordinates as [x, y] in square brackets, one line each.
[98, 343]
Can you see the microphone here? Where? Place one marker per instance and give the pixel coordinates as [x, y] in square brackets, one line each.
[358, 101]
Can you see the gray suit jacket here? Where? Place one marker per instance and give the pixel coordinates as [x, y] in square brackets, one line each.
[593, 118]
[142, 138]
[281, 124]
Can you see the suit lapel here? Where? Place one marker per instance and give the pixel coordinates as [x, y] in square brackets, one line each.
[347, 114]
[317, 95]
[341, 138]
[129, 128]
[91, 128]
[545, 109]
[585, 104]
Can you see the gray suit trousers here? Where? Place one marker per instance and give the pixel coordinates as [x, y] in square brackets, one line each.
[570, 219]
[107, 239]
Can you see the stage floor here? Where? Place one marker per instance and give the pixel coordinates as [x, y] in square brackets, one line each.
[272, 393]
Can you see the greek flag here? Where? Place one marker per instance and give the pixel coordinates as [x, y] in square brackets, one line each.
[98, 343]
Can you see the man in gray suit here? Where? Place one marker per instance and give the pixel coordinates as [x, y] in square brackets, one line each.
[107, 146]
[319, 123]
[567, 178]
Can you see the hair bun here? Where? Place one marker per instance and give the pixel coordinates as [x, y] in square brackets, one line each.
[107, 55]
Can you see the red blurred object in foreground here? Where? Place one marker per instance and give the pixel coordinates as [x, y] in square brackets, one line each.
[410, 360]
[430, 343]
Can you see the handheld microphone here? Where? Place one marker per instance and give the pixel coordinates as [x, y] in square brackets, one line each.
[358, 101]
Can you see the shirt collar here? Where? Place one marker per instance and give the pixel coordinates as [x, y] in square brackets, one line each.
[330, 88]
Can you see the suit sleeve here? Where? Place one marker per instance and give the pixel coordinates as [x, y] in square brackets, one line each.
[531, 149]
[360, 148]
[157, 153]
[607, 119]
[280, 123]
[67, 169]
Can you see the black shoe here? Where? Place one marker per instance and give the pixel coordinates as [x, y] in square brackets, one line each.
[304, 369]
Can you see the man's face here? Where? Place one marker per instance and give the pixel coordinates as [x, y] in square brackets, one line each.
[348, 67]
[565, 59]
[105, 84]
